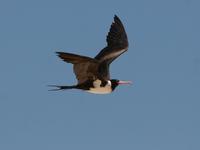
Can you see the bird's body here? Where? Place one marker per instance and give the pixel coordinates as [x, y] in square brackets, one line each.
[93, 73]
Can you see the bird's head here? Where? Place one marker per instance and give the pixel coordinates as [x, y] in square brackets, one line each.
[116, 82]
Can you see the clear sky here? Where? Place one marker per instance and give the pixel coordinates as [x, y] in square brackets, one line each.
[160, 111]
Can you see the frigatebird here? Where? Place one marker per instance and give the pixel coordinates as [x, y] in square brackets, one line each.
[93, 73]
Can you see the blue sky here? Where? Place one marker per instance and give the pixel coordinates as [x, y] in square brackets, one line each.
[160, 111]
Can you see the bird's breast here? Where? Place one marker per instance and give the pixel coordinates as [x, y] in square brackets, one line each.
[100, 90]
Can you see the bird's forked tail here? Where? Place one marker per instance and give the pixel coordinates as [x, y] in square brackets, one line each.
[58, 87]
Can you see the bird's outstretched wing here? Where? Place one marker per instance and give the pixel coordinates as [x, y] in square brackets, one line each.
[73, 58]
[85, 68]
[117, 42]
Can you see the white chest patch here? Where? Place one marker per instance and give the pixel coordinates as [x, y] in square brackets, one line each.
[100, 90]
[97, 89]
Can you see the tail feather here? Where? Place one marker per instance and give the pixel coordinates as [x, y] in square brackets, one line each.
[58, 87]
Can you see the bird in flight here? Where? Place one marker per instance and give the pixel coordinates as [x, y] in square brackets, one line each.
[93, 73]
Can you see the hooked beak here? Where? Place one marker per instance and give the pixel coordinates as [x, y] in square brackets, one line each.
[125, 82]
